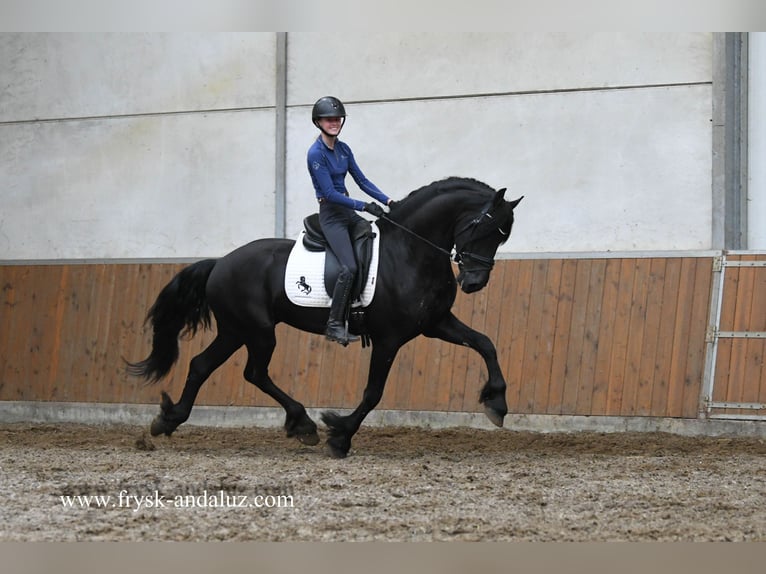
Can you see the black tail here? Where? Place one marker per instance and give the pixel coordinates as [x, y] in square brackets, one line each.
[180, 306]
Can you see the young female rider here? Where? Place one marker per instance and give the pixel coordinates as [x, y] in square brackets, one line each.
[329, 160]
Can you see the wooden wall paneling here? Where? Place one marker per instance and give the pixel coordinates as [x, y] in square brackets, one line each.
[561, 336]
[334, 364]
[572, 337]
[355, 361]
[76, 359]
[591, 338]
[438, 384]
[7, 318]
[56, 333]
[544, 353]
[14, 331]
[664, 349]
[441, 372]
[648, 360]
[695, 347]
[576, 335]
[102, 345]
[419, 395]
[399, 386]
[681, 337]
[606, 329]
[620, 337]
[290, 368]
[635, 335]
[532, 337]
[285, 362]
[44, 327]
[331, 386]
[22, 354]
[515, 320]
[311, 369]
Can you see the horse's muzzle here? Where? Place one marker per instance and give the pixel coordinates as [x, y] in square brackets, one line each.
[472, 281]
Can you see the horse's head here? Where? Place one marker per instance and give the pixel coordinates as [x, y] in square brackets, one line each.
[477, 238]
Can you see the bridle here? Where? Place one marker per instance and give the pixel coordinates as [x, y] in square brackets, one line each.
[459, 257]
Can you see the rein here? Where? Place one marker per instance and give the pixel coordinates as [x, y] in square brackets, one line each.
[450, 254]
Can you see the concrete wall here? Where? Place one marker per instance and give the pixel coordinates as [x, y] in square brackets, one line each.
[756, 147]
[146, 145]
[136, 145]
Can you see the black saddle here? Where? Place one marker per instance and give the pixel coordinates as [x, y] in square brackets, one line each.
[362, 237]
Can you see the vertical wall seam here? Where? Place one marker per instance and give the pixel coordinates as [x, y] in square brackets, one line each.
[280, 143]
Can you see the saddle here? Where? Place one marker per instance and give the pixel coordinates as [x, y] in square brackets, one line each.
[362, 237]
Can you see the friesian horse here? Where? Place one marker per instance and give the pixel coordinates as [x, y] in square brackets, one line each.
[455, 219]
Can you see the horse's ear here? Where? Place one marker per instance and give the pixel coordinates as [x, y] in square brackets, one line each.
[515, 202]
[499, 196]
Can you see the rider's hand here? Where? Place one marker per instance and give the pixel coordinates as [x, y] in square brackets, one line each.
[375, 209]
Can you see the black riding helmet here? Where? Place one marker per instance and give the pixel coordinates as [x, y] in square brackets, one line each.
[328, 107]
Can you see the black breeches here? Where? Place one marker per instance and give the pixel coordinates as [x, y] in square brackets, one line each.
[336, 222]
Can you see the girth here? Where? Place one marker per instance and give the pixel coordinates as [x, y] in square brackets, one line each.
[361, 239]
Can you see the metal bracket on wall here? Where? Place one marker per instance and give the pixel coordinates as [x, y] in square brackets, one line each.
[713, 336]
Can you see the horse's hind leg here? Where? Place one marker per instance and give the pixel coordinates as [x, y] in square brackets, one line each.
[297, 422]
[343, 428]
[200, 368]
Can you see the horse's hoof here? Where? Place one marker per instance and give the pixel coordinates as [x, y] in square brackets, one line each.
[309, 439]
[494, 416]
[336, 452]
[159, 426]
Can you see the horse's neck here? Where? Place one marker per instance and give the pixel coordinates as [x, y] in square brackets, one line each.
[435, 220]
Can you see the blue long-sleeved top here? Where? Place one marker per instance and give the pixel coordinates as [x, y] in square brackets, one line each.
[328, 169]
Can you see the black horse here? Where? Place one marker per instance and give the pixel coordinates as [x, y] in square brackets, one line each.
[415, 290]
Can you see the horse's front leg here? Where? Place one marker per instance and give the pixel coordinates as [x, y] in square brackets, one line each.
[342, 428]
[492, 396]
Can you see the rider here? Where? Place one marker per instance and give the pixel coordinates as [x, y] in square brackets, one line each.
[329, 159]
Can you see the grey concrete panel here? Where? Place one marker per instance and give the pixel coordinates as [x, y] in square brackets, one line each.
[600, 170]
[179, 185]
[85, 75]
[391, 66]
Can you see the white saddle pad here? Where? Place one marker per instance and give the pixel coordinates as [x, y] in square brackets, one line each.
[304, 275]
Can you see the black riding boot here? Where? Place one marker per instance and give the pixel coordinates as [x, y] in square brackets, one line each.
[336, 325]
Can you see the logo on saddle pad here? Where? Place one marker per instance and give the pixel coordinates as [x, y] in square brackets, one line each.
[306, 283]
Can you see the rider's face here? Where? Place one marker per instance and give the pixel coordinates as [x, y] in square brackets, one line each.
[331, 125]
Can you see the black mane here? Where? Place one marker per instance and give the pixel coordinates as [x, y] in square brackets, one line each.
[416, 199]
